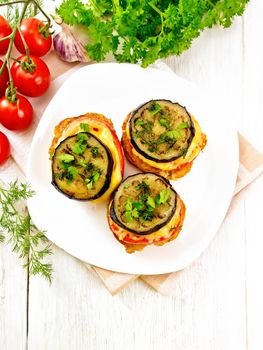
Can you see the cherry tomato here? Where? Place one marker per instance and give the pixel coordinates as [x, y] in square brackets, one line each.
[38, 40]
[5, 30]
[31, 77]
[16, 115]
[3, 80]
[4, 148]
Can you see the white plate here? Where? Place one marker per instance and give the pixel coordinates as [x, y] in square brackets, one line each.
[81, 228]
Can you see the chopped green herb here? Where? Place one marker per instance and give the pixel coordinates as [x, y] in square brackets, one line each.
[182, 126]
[143, 186]
[73, 172]
[163, 196]
[173, 135]
[126, 186]
[92, 179]
[128, 216]
[94, 151]
[140, 122]
[82, 136]
[84, 127]
[150, 202]
[155, 108]
[138, 205]
[128, 205]
[79, 148]
[66, 158]
[164, 122]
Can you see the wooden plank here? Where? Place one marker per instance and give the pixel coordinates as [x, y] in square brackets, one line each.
[13, 287]
[253, 126]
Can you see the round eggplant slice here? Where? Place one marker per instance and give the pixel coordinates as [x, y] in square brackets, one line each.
[82, 167]
[161, 130]
[143, 203]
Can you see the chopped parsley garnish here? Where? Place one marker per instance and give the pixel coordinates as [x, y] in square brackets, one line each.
[144, 206]
[172, 135]
[146, 127]
[155, 108]
[150, 201]
[84, 127]
[143, 186]
[92, 179]
[164, 122]
[163, 196]
[184, 125]
[80, 146]
[94, 151]
[72, 173]
[140, 122]
[66, 158]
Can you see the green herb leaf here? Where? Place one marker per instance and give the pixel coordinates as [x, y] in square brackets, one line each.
[183, 126]
[143, 31]
[94, 152]
[138, 205]
[79, 147]
[84, 127]
[140, 122]
[164, 122]
[73, 172]
[143, 186]
[18, 230]
[66, 158]
[163, 196]
[155, 108]
[173, 135]
[128, 205]
[150, 202]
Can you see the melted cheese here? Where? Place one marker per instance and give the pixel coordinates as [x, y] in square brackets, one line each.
[100, 130]
[193, 151]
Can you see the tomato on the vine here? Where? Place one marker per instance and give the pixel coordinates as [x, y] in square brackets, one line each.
[3, 80]
[17, 115]
[31, 75]
[4, 148]
[37, 37]
[5, 30]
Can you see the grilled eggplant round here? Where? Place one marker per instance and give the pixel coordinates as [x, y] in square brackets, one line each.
[87, 158]
[82, 167]
[145, 210]
[162, 137]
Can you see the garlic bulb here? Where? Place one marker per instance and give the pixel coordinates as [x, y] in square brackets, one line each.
[68, 47]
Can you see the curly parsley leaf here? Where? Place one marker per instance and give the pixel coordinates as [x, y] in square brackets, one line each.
[143, 31]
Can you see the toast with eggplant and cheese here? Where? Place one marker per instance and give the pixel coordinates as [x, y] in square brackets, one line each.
[87, 158]
[162, 137]
[145, 210]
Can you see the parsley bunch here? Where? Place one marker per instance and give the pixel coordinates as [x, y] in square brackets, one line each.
[143, 31]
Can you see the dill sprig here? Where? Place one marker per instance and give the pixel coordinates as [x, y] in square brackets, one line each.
[17, 229]
[11, 12]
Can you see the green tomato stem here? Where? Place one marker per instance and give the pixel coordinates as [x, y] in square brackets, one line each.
[42, 11]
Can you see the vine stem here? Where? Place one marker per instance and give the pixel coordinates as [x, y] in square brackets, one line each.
[13, 2]
[10, 46]
[42, 11]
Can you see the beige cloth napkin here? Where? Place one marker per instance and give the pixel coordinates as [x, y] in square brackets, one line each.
[251, 165]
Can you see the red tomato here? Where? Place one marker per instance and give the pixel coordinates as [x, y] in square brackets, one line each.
[3, 80]
[5, 30]
[16, 115]
[4, 148]
[31, 83]
[39, 42]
